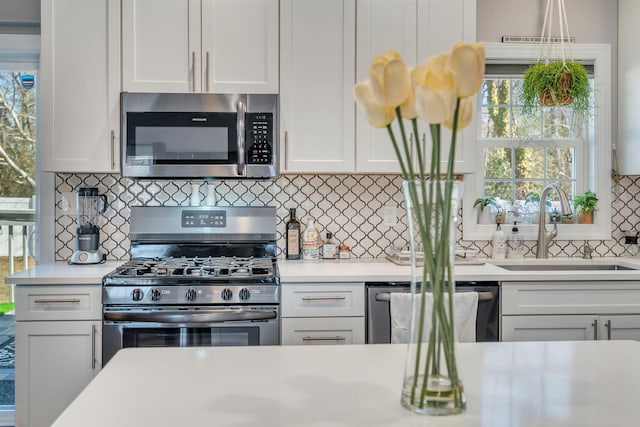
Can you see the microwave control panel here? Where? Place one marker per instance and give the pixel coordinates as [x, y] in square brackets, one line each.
[259, 138]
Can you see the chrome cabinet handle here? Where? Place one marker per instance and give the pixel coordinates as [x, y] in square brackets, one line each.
[424, 148]
[411, 146]
[240, 124]
[336, 338]
[56, 300]
[206, 75]
[595, 329]
[193, 71]
[608, 325]
[286, 150]
[113, 150]
[93, 347]
[332, 298]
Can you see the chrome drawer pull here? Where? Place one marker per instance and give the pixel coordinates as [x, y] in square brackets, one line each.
[336, 338]
[323, 298]
[56, 300]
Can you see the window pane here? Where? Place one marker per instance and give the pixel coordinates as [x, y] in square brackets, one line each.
[529, 163]
[497, 163]
[502, 190]
[496, 122]
[560, 163]
[557, 122]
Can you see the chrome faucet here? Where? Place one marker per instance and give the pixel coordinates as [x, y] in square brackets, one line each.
[545, 237]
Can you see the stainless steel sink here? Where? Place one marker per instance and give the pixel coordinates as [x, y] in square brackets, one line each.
[568, 267]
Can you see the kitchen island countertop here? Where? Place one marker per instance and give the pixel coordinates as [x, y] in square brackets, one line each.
[581, 383]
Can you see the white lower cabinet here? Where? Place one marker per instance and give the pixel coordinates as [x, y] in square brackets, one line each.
[322, 313]
[58, 348]
[555, 311]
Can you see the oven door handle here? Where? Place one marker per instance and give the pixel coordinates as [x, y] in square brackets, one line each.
[190, 317]
[482, 296]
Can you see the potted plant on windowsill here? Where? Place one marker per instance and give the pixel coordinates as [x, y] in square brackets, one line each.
[556, 83]
[585, 205]
[484, 215]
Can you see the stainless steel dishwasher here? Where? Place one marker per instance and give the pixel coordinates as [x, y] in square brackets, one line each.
[378, 318]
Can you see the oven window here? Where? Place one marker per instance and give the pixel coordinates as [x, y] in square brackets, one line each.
[190, 337]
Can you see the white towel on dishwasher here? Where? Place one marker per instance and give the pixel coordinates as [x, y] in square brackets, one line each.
[466, 309]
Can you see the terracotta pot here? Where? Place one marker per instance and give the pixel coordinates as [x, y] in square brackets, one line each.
[585, 217]
[560, 94]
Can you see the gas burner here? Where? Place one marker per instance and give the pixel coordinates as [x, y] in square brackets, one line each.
[206, 268]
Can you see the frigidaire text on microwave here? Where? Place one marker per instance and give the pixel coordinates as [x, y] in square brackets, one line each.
[167, 135]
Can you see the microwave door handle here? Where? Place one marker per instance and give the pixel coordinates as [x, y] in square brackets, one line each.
[242, 109]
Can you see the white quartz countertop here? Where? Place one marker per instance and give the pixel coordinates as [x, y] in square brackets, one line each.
[62, 273]
[353, 270]
[515, 384]
[379, 269]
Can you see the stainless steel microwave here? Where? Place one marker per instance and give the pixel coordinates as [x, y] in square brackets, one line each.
[167, 135]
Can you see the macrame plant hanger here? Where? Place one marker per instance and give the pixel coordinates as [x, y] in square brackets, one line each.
[546, 41]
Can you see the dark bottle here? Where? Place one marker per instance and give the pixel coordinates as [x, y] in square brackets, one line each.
[293, 235]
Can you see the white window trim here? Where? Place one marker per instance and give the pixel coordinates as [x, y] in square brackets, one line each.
[22, 51]
[600, 183]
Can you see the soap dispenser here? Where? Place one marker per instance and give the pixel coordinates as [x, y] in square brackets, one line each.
[515, 243]
[499, 244]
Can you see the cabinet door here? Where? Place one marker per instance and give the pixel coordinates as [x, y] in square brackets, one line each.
[322, 331]
[317, 71]
[549, 328]
[620, 327]
[161, 46]
[441, 23]
[80, 85]
[54, 362]
[382, 25]
[240, 46]
[628, 147]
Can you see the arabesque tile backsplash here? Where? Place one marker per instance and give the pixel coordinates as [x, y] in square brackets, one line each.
[349, 206]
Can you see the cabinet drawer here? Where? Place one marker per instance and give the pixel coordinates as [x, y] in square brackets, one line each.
[323, 300]
[322, 331]
[58, 302]
[570, 297]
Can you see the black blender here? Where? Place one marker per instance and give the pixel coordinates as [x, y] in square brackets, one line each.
[88, 233]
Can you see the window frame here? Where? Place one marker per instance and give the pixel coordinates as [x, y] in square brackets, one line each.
[596, 174]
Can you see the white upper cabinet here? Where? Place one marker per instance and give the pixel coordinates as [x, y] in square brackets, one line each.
[417, 29]
[382, 25]
[317, 69]
[220, 46]
[79, 86]
[628, 88]
[326, 47]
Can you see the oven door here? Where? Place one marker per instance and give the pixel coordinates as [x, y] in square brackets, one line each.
[188, 327]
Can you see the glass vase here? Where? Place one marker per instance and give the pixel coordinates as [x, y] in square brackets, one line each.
[431, 382]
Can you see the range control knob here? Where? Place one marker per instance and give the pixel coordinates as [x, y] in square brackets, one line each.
[137, 294]
[155, 294]
[191, 294]
[244, 294]
[226, 294]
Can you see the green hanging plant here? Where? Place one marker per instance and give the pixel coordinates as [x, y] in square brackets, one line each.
[557, 83]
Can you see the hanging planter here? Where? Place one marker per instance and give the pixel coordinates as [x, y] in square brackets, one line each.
[555, 82]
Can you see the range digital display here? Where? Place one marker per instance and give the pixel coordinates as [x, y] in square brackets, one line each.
[208, 219]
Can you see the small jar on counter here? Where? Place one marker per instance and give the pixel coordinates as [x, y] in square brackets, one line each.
[344, 252]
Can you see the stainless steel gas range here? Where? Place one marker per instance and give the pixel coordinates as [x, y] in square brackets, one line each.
[198, 276]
